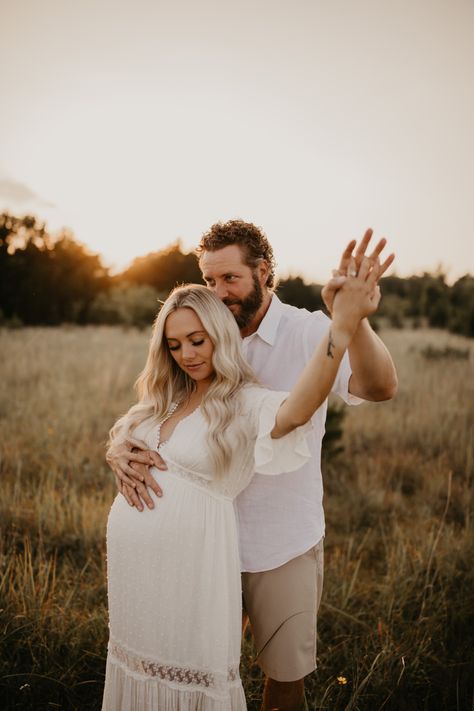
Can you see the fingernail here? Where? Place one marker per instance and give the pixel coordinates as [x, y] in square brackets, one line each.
[159, 493]
[151, 505]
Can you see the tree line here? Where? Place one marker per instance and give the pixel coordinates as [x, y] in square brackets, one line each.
[46, 280]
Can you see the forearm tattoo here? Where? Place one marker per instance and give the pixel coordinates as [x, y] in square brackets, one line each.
[331, 346]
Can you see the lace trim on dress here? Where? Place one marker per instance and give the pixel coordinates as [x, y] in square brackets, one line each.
[199, 480]
[189, 474]
[172, 672]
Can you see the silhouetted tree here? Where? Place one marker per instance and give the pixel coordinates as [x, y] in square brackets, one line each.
[436, 304]
[76, 278]
[462, 306]
[49, 280]
[23, 246]
[294, 291]
[45, 280]
[164, 270]
[426, 297]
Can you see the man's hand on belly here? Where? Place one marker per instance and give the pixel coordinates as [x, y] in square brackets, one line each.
[131, 462]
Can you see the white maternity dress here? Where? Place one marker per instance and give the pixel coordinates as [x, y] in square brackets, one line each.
[174, 573]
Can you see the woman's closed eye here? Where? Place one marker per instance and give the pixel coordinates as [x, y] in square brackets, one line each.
[178, 346]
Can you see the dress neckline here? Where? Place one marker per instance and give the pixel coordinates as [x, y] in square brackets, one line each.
[170, 412]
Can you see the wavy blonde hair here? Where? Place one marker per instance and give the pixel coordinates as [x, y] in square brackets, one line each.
[162, 381]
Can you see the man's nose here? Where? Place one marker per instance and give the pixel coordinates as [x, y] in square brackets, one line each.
[220, 290]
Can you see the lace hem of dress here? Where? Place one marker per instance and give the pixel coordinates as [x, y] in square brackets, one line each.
[176, 674]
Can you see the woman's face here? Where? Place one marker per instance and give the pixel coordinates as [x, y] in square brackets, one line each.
[190, 345]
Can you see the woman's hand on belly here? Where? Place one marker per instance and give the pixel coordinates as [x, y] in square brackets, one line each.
[139, 494]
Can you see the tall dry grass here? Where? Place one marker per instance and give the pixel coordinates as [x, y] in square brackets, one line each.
[396, 625]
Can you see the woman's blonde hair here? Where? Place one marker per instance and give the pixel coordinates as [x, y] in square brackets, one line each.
[162, 381]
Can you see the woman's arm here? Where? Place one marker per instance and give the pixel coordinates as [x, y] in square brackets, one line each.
[353, 302]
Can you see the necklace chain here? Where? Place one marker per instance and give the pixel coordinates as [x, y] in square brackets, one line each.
[171, 410]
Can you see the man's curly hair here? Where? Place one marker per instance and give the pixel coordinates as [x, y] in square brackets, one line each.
[246, 235]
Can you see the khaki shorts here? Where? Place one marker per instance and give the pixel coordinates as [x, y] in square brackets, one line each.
[282, 605]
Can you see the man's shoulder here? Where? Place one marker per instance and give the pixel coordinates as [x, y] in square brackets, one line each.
[294, 315]
[299, 330]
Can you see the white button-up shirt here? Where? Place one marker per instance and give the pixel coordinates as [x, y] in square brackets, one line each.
[281, 517]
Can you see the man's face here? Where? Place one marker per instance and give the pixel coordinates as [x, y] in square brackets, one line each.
[236, 285]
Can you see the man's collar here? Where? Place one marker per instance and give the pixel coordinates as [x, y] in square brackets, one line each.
[267, 330]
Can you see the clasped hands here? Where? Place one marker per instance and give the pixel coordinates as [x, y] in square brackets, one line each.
[131, 461]
[367, 268]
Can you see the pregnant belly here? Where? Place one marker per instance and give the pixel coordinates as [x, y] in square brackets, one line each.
[178, 560]
[181, 513]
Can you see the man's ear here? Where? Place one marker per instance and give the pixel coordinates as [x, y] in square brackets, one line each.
[263, 271]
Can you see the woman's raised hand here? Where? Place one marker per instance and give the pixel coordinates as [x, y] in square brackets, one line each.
[349, 258]
[359, 294]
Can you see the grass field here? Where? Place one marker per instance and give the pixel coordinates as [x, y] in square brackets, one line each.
[396, 628]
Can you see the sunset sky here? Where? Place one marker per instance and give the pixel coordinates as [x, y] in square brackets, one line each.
[137, 122]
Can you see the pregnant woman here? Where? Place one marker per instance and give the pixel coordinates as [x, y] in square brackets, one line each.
[173, 571]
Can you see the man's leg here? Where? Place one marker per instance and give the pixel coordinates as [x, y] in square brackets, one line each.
[282, 605]
[284, 695]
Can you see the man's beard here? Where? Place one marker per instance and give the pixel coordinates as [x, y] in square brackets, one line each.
[248, 306]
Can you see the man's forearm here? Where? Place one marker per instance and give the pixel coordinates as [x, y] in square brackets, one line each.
[373, 372]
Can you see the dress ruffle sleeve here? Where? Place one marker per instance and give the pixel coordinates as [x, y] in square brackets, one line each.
[286, 454]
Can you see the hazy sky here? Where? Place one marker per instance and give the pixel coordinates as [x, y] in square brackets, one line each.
[135, 122]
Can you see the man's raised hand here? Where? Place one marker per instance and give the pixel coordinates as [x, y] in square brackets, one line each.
[353, 262]
[359, 295]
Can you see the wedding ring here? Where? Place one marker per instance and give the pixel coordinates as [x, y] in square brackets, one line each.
[352, 273]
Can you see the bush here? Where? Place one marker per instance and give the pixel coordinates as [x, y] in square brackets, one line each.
[449, 352]
[128, 305]
[332, 445]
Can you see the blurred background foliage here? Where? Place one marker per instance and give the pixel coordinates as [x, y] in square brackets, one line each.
[50, 280]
